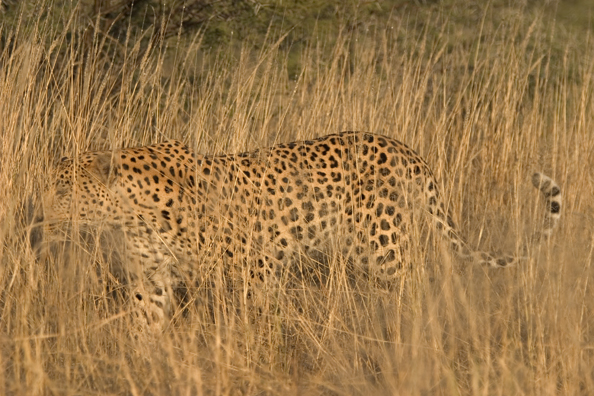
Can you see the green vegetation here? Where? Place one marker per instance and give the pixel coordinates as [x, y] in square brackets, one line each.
[486, 92]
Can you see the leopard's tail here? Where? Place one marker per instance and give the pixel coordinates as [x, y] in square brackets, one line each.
[551, 193]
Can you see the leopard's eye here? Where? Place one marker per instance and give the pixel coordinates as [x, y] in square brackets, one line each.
[61, 192]
[62, 186]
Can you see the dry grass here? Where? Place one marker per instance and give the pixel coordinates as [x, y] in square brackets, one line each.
[485, 116]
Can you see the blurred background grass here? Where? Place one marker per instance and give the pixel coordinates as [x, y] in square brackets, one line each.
[487, 92]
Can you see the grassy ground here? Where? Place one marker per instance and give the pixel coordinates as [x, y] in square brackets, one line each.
[487, 103]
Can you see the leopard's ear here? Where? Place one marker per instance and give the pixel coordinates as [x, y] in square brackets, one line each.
[105, 167]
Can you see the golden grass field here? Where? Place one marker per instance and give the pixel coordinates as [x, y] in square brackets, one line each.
[485, 110]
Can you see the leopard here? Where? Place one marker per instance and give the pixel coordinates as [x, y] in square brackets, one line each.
[258, 213]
